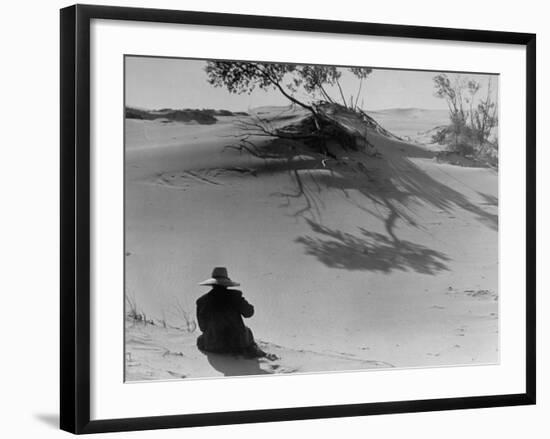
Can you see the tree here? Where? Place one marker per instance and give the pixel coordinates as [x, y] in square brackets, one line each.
[473, 87]
[471, 125]
[316, 78]
[310, 82]
[485, 117]
[361, 73]
[452, 92]
[244, 77]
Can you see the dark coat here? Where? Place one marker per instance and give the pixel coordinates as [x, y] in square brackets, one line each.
[219, 314]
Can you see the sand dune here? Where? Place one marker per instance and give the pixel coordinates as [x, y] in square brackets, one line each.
[342, 262]
[413, 124]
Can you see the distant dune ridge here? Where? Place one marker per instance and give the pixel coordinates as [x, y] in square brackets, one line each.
[204, 116]
[411, 123]
[414, 112]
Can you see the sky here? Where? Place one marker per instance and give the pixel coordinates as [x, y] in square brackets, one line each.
[154, 83]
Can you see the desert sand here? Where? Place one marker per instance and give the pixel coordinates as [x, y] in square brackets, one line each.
[372, 262]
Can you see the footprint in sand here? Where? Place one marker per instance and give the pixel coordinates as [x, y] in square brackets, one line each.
[482, 294]
[460, 331]
[170, 353]
[176, 375]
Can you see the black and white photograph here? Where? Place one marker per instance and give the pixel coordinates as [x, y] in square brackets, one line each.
[271, 220]
[296, 218]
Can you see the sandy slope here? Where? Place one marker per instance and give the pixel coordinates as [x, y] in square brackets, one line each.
[159, 353]
[365, 263]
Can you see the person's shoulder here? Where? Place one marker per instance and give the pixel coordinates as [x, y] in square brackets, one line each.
[203, 298]
[235, 293]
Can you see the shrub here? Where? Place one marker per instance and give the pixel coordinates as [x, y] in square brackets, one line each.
[472, 120]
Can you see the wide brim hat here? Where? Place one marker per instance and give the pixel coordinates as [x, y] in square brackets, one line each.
[220, 277]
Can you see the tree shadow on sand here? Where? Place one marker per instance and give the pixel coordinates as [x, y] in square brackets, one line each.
[395, 184]
[371, 252]
[489, 200]
[391, 184]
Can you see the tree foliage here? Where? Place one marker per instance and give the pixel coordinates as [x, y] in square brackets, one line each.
[288, 79]
[244, 77]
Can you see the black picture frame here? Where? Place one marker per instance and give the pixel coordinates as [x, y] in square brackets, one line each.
[75, 217]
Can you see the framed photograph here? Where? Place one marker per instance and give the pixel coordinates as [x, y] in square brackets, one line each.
[272, 218]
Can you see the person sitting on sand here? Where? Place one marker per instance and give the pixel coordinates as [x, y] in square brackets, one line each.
[220, 313]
